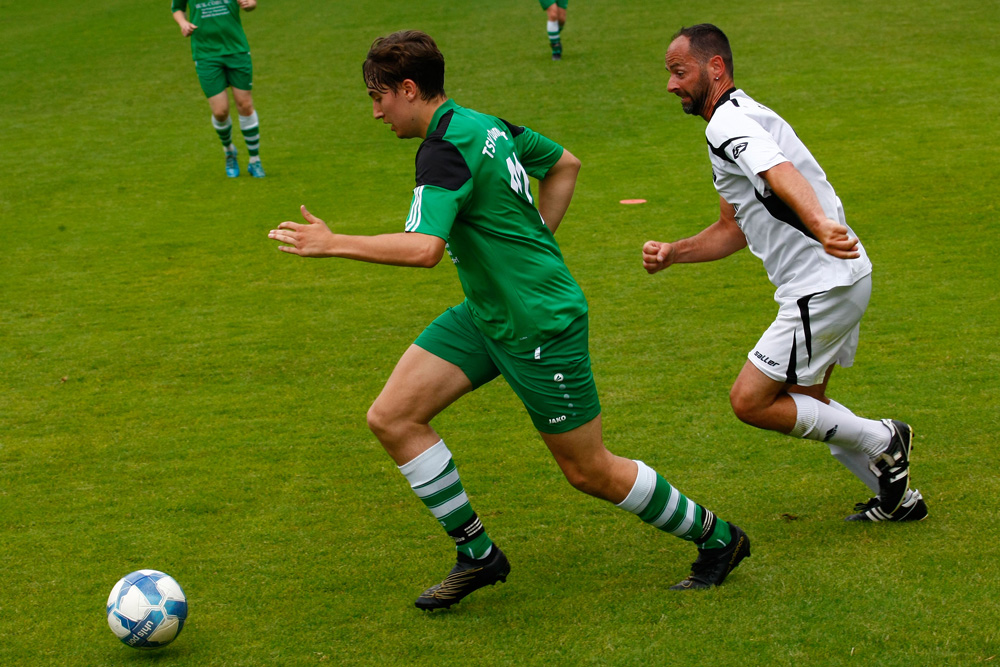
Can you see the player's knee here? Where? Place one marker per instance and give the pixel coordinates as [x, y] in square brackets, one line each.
[590, 481]
[380, 421]
[745, 407]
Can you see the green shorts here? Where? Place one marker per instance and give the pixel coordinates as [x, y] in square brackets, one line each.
[216, 74]
[554, 381]
[548, 3]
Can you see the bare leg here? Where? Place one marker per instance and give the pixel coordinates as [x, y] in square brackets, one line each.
[244, 101]
[220, 106]
[588, 465]
[421, 386]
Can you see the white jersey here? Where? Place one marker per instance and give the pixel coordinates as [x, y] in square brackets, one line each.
[746, 138]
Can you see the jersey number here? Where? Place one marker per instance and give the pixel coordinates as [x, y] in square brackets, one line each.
[519, 178]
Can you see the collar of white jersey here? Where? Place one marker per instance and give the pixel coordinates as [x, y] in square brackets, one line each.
[725, 98]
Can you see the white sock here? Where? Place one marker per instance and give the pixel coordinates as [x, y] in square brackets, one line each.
[856, 462]
[427, 465]
[250, 128]
[642, 489]
[553, 29]
[249, 121]
[816, 420]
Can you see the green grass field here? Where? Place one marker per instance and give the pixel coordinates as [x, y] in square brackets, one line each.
[176, 394]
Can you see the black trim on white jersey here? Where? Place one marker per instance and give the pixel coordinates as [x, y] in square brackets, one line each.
[726, 97]
[721, 150]
[781, 211]
[439, 162]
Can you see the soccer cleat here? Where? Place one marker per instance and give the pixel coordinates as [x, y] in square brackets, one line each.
[714, 565]
[892, 467]
[232, 166]
[255, 169]
[913, 509]
[557, 51]
[468, 575]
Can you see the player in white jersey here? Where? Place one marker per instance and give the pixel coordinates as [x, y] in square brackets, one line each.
[774, 198]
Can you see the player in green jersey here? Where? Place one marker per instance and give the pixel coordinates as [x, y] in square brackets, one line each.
[222, 60]
[524, 317]
[555, 12]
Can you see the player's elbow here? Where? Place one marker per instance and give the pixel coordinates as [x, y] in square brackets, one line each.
[571, 162]
[427, 251]
[427, 258]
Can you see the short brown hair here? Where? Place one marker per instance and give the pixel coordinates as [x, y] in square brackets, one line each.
[406, 54]
[707, 40]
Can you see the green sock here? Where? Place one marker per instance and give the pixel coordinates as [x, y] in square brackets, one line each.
[659, 504]
[250, 127]
[552, 28]
[225, 131]
[434, 478]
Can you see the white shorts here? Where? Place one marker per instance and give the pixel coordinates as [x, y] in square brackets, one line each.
[811, 333]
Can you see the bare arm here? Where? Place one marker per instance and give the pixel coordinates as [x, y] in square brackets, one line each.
[556, 190]
[720, 239]
[186, 26]
[792, 187]
[315, 239]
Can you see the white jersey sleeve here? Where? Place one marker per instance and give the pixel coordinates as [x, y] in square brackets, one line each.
[748, 145]
[746, 139]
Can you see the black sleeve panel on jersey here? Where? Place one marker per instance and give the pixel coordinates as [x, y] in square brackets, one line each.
[514, 129]
[439, 163]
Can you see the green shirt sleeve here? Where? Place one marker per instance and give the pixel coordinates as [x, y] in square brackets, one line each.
[537, 152]
[434, 209]
[444, 185]
[178, 6]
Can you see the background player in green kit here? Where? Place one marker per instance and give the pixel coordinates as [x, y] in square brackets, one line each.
[222, 59]
[555, 12]
[524, 317]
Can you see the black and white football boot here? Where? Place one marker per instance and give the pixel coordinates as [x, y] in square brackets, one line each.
[892, 467]
[913, 509]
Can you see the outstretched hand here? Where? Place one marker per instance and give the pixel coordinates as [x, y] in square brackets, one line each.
[312, 239]
[836, 241]
[657, 256]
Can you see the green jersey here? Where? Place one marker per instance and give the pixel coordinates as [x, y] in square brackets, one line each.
[219, 32]
[473, 192]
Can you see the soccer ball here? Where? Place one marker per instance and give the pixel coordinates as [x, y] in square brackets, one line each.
[147, 609]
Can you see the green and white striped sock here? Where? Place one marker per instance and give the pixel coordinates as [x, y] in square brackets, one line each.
[659, 504]
[553, 29]
[225, 131]
[250, 127]
[434, 478]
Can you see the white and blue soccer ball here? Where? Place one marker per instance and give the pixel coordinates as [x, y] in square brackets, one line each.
[147, 609]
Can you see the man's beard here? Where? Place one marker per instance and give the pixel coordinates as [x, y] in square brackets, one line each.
[698, 96]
